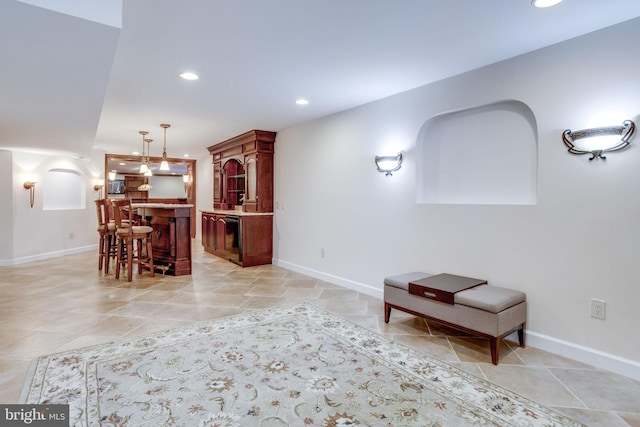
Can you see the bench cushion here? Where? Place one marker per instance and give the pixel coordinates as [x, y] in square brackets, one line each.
[401, 281]
[489, 298]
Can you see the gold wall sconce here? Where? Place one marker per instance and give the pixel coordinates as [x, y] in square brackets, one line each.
[31, 186]
[98, 186]
[601, 140]
[388, 164]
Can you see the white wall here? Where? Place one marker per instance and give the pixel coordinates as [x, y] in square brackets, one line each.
[37, 233]
[580, 241]
[6, 207]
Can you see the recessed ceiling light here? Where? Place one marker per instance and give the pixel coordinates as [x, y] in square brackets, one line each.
[302, 102]
[545, 3]
[189, 76]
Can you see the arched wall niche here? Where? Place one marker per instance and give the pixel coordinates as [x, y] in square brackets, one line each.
[479, 155]
[63, 189]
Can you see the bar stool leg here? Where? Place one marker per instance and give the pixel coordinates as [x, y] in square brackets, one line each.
[119, 244]
[101, 245]
[150, 255]
[139, 255]
[129, 260]
[108, 252]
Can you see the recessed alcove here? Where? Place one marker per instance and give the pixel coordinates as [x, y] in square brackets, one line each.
[63, 189]
[479, 155]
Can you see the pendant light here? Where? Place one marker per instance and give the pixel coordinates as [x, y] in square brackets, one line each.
[148, 171]
[143, 165]
[164, 165]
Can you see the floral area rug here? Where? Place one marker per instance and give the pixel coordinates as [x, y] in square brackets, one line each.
[286, 366]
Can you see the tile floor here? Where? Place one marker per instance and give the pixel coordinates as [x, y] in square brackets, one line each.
[62, 303]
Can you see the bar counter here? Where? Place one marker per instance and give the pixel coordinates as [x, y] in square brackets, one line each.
[171, 236]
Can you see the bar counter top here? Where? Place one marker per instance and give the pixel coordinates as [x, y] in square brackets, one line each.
[232, 212]
[161, 205]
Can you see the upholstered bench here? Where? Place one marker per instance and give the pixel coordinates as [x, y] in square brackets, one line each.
[484, 310]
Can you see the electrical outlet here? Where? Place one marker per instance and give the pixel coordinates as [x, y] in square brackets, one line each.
[598, 308]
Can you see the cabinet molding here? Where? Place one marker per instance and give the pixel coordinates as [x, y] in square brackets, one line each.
[253, 151]
[240, 227]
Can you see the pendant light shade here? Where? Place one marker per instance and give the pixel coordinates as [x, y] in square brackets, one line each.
[148, 171]
[164, 165]
[143, 165]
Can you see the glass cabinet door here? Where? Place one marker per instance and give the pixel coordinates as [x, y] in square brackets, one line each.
[251, 167]
[217, 191]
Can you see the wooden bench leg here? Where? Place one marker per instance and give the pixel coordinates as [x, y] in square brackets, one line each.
[494, 343]
[387, 312]
[521, 336]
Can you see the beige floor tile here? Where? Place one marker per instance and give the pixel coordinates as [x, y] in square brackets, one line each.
[137, 309]
[339, 294]
[263, 302]
[437, 347]
[300, 283]
[533, 382]
[117, 326]
[35, 344]
[534, 357]
[86, 341]
[66, 303]
[234, 289]
[405, 324]
[589, 417]
[10, 391]
[477, 350]
[10, 368]
[472, 368]
[633, 420]
[157, 326]
[262, 290]
[302, 293]
[227, 300]
[598, 389]
[342, 306]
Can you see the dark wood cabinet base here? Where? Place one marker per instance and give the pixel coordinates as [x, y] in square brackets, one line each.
[245, 240]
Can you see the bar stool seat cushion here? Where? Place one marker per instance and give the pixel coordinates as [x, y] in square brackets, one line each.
[136, 229]
[110, 227]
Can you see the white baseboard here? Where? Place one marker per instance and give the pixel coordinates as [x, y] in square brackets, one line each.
[349, 284]
[48, 255]
[597, 358]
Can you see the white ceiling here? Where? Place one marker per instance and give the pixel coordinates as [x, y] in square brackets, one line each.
[74, 85]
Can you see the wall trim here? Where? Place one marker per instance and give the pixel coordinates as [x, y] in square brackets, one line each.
[48, 255]
[349, 284]
[600, 359]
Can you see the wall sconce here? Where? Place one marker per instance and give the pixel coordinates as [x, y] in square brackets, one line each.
[388, 164]
[31, 186]
[605, 139]
[99, 184]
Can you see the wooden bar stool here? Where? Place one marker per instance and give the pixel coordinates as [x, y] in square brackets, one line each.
[107, 234]
[126, 233]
